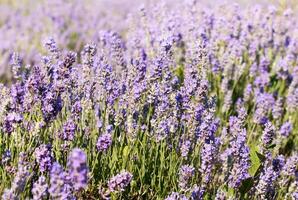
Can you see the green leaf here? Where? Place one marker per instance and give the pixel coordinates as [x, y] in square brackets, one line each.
[261, 156]
[125, 152]
[255, 161]
[271, 146]
[231, 192]
[246, 185]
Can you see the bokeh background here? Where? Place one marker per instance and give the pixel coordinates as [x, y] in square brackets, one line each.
[24, 24]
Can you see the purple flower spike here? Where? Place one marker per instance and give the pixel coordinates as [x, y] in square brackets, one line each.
[120, 181]
[44, 156]
[78, 170]
[104, 142]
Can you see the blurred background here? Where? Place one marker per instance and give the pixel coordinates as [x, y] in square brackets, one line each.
[24, 24]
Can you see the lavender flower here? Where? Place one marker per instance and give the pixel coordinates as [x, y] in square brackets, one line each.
[289, 169]
[20, 179]
[6, 157]
[40, 189]
[277, 110]
[76, 110]
[208, 154]
[185, 147]
[268, 134]
[10, 122]
[186, 172]
[44, 156]
[78, 170]
[68, 132]
[60, 183]
[104, 142]
[16, 64]
[120, 181]
[197, 193]
[238, 152]
[286, 129]
[51, 105]
[176, 196]
[8, 194]
[265, 187]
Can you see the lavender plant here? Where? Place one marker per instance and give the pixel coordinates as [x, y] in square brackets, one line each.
[168, 101]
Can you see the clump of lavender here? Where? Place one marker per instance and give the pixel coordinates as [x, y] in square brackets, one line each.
[6, 157]
[77, 169]
[51, 105]
[286, 129]
[185, 148]
[60, 183]
[291, 165]
[68, 132]
[237, 154]
[51, 45]
[120, 181]
[16, 65]
[104, 142]
[265, 187]
[10, 122]
[186, 172]
[220, 195]
[268, 134]
[44, 157]
[9, 194]
[241, 161]
[40, 189]
[20, 179]
[197, 192]
[76, 110]
[176, 196]
[278, 109]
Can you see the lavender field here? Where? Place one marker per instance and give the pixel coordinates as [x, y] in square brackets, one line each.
[153, 100]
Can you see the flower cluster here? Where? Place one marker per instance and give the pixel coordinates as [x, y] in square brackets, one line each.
[120, 181]
[194, 102]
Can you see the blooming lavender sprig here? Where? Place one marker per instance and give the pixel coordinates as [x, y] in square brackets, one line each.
[44, 156]
[290, 167]
[51, 105]
[176, 196]
[77, 169]
[185, 148]
[241, 160]
[10, 122]
[16, 64]
[51, 45]
[76, 110]
[208, 157]
[9, 194]
[19, 182]
[68, 132]
[197, 192]
[186, 172]
[6, 157]
[40, 189]
[60, 183]
[104, 142]
[268, 134]
[286, 129]
[120, 181]
[265, 187]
